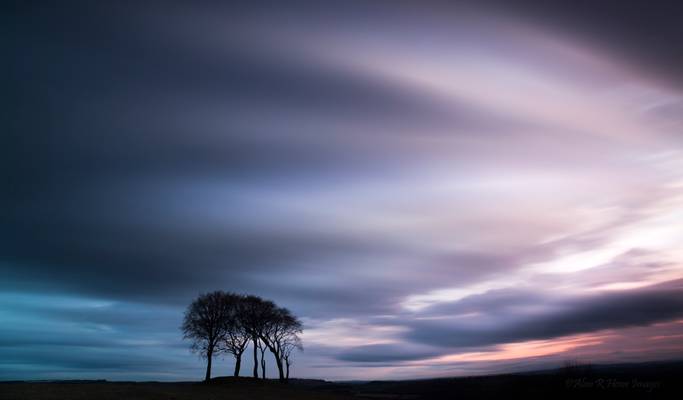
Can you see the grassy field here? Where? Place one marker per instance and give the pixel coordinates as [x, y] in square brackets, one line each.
[639, 381]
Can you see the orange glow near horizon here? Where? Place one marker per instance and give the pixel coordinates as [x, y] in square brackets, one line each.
[527, 349]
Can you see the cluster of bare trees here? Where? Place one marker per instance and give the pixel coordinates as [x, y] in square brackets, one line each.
[227, 323]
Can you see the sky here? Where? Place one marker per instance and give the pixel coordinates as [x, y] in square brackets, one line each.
[434, 188]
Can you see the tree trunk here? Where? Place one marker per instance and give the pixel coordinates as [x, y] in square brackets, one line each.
[209, 356]
[238, 364]
[278, 361]
[280, 370]
[263, 366]
[255, 359]
[287, 365]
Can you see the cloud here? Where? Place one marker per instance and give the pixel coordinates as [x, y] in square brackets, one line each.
[503, 317]
[479, 327]
[386, 353]
[390, 165]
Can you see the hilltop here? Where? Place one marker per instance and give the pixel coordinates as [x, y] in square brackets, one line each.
[661, 380]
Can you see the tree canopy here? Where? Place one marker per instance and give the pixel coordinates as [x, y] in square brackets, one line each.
[224, 322]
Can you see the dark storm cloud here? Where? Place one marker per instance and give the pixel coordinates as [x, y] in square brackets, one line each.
[119, 106]
[476, 323]
[110, 98]
[386, 353]
[643, 33]
[510, 317]
[498, 302]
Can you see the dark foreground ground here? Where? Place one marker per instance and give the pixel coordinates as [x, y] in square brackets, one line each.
[244, 389]
[639, 381]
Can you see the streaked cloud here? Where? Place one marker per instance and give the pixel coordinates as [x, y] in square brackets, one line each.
[435, 189]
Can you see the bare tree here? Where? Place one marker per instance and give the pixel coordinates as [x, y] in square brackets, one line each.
[252, 314]
[262, 348]
[221, 322]
[289, 344]
[279, 326]
[236, 337]
[205, 324]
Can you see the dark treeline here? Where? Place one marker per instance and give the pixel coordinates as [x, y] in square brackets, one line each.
[227, 323]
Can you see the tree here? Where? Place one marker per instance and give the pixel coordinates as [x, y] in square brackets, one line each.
[262, 348]
[290, 343]
[236, 337]
[279, 327]
[221, 322]
[252, 314]
[206, 325]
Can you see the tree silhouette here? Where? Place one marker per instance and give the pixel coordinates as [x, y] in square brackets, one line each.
[222, 322]
[290, 343]
[206, 323]
[236, 337]
[279, 326]
[252, 314]
[262, 348]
